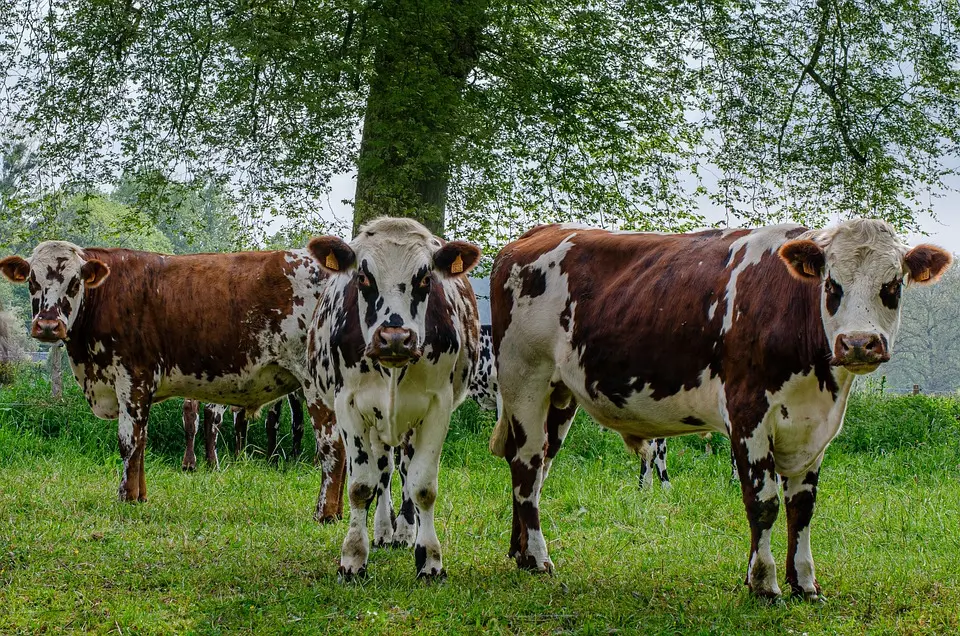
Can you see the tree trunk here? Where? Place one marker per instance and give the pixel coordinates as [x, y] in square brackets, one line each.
[413, 115]
[55, 359]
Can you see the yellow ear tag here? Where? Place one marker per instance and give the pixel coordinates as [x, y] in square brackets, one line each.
[456, 267]
[332, 262]
[808, 269]
[924, 275]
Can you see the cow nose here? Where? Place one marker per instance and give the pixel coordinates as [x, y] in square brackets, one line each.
[860, 350]
[394, 346]
[47, 330]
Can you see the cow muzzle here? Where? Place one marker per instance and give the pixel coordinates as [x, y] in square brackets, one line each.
[860, 352]
[394, 347]
[46, 330]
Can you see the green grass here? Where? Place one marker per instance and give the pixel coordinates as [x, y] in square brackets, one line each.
[237, 551]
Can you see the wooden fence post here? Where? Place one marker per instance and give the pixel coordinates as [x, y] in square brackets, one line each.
[55, 365]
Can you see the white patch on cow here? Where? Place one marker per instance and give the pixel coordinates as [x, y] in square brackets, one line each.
[755, 245]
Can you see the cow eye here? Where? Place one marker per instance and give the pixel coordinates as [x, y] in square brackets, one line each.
[425, 281]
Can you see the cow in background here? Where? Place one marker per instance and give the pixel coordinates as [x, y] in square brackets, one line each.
[138, 329]
[757, 334]
[392, 348]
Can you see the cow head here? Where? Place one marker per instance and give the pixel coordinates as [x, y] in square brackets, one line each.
[394, 264]
[57, 273]
[863, 266]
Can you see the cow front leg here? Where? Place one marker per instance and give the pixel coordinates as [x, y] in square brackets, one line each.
[296, 424]
[384, 521]
[132, 438]
[273, 427]
[800, 496]
[405, 534]
[240, 433]
[212, 419]
[332, 461]
[758, 481]
[364, 478]
[427, 442]
[191, 416]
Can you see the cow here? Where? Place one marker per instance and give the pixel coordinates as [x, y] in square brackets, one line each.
[213, 418]
[484, 391]
[392, 349]
[755, 334]
[138, 330]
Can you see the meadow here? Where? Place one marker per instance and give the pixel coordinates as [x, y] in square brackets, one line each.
[237, 551]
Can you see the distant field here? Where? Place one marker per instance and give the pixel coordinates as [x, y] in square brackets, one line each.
[237, 552]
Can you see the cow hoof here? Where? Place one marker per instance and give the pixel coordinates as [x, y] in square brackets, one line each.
[346, 575]
[433, 576]
[530, 564]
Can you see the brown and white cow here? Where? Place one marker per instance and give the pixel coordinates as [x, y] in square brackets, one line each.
[138, 329]
[757, 334]
[392, 348]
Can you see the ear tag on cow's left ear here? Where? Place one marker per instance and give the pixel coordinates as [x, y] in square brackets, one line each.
[332, 262]
[924, 275]
[456, 267]
[808, 269]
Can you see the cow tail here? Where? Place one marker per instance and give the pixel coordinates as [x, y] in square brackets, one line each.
[498, 439]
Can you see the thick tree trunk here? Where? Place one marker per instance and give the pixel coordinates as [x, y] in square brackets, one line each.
[413, 114]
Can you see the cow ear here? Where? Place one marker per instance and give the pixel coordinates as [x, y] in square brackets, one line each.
[15, 269]
[332, 253]
[456, 258]
[804, 260]
[94, 272]
[927, 263]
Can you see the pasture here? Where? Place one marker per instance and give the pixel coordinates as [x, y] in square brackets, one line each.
[237, 551]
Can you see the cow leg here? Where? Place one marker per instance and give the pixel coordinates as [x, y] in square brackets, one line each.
[190, 416]
[331, 457]
[132, 438]
[273, 426]
[758, 480]
[296, 424]
[524, 451]
[800, 495]
[427, 442]
[364, 480]
[212, 418]
[405, 534]
[240, 432]
[384, 522]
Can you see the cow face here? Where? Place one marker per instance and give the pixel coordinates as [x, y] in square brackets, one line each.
[863, 266]
[58, 274]
[394, 263]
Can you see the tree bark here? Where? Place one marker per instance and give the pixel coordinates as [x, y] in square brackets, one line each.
[424, 54]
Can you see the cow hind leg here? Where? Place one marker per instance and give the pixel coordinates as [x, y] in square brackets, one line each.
[384, 521]
[405, 533]
[760, 486]
[800, 495]
[190, 419]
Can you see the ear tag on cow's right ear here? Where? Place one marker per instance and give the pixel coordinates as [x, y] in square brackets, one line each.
[456, 267]
[808, 269]
[924, 275]
[332, 262]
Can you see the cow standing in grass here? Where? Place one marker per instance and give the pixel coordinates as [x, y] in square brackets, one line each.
[757, 334]
[393, 347]
[139, 329]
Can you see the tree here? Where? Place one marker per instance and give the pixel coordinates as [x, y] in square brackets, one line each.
[492, 115]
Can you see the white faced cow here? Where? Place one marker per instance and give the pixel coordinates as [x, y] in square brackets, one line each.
[139, 329]
[393, 347]
[757, 334]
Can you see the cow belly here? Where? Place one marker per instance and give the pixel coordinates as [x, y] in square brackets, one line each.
[689, 411]
[250, 389]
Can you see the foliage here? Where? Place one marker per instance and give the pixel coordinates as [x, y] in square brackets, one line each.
[627, 113]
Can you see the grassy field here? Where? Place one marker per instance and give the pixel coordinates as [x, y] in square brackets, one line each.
[237, 551]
